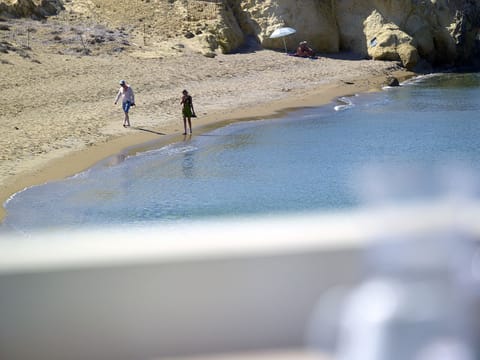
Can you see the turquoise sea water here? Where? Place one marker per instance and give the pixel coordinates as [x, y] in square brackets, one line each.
[313, 159]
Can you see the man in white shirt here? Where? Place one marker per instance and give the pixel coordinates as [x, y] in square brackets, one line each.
[128, 100]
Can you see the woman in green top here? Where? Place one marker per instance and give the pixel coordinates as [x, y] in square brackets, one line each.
[187, 111]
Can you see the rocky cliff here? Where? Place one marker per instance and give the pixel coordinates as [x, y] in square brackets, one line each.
[30, 8]
[416, 33]
[413, 32]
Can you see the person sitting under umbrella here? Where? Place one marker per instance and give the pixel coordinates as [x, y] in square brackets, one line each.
[304, 50]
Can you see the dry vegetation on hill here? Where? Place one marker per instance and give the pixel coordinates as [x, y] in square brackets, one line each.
[104, 26]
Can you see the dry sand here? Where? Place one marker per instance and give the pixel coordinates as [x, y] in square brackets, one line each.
[58, 118]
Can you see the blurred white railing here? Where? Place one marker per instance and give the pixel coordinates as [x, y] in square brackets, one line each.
[218, 286]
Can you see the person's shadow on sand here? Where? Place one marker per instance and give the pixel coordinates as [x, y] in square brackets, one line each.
[147, 130]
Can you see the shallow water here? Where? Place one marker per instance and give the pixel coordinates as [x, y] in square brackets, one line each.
[313, 159]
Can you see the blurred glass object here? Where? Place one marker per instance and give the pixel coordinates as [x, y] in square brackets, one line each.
[420, 296]
[418, 302]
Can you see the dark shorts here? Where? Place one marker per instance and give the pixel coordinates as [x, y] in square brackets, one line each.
[126, 106]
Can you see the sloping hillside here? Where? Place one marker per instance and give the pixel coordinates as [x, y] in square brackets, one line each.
[437, 33]
[94, 26]
[154, 20]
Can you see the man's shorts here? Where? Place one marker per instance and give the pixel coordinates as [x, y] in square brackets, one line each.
[126, 106]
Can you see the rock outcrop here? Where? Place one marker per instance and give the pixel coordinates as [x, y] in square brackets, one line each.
[386, 41]
[418, 29]
[30, 8]
[438, 32]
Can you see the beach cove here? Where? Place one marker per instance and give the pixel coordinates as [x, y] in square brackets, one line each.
[60, 118]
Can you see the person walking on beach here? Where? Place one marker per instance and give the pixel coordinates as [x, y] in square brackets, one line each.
[187, 111]
[128, 100]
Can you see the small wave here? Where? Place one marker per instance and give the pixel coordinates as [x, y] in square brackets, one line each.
[388, 87]
[82, 174]
[172, 149]
[11, 197]
[347, 104]
[414, 80]
[420, 78]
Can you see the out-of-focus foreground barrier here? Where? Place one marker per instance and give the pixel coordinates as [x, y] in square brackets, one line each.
[312, 281]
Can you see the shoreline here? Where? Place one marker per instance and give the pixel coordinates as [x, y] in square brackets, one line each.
[115, 149]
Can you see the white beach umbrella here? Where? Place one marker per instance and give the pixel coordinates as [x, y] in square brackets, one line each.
[281, 33]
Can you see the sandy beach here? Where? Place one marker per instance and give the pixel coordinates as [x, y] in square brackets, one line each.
[58, 115]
